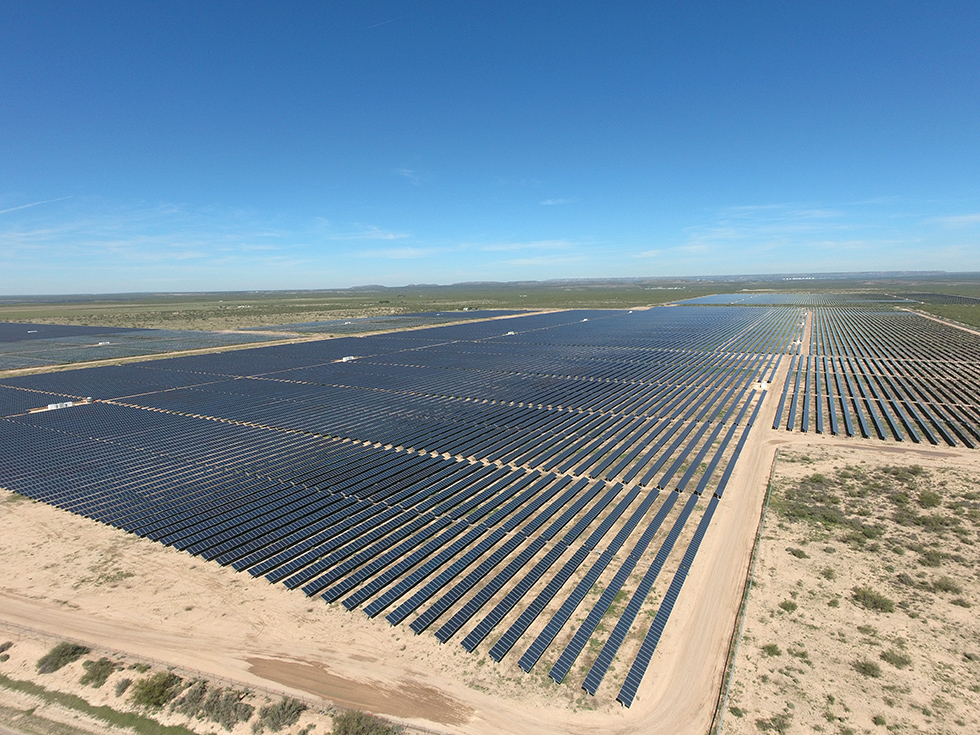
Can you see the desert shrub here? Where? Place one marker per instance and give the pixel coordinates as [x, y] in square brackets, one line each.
[122, 685]
[871, 600]
[4, 657]
[798, 553]
[878, 720]
[906, 579]
[777, 723]
[189, 703]
[97, 672]
[929, 499]
[788, 605]
[59, 656]
[227, 708]
[867, 668]
[959, 602]
[156, 690]
[904, 474]
[828, 573]
[896, 658]
[945, 584]
[283, 713]
[737, 711]
[353, 722]
[771, 649]
[4, 647]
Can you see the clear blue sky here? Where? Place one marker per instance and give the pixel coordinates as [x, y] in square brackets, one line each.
[227, 145]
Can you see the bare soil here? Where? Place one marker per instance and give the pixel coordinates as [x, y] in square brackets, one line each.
[862, 615]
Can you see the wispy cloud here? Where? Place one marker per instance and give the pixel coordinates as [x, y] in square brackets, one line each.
[959, 220]
[406, 253]
[530, 245]
[548, 260]
[410, 175]
[386, 22]
[555, 202]
[33, 204]
[369, 232]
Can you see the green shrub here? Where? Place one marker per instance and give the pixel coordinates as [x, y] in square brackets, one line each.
[4, 657]
[959, 602]
[798, 553]
[59, 656]
[283, 713]
[788, 605]
[867, 668]
[771, 649]
[155, 691]
[227, 708]
[906, 579]
[122, 685]
[878, 720]
[97, 672]
[871, 600]
[828, 573]
[189, 703]
[896, 658]
[4, 647]
[777, 723]
[945, 584]
[737, 711]
[929, 499]
[353, 722]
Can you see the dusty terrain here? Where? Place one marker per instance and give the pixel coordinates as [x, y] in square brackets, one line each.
[862, 613]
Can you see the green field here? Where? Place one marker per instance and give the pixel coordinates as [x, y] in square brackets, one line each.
[234, 310]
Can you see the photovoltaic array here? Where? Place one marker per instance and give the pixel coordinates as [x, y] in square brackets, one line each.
[477, 480]
[887, 375]
[38, 345]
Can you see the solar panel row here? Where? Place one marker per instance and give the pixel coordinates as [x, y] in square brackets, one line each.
[900, 375]
[444, 475]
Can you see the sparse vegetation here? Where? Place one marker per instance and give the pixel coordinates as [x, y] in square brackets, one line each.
[896, 658]
[871, 600]
[97, 672]
[353, 722]
[866, 667]
[777, 723]
[155, 691]
[123, 720]
[122, 685]
[61, 655]
[771, 649]
[788, 606]
[945, 584]
[275, 717]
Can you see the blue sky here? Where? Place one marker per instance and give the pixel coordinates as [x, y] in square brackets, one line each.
[250, 145]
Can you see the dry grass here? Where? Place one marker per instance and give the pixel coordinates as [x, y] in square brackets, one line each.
[878, 640]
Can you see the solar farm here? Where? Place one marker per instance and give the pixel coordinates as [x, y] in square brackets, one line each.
[535, 489]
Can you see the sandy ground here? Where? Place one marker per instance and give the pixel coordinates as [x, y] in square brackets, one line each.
[803, 669]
